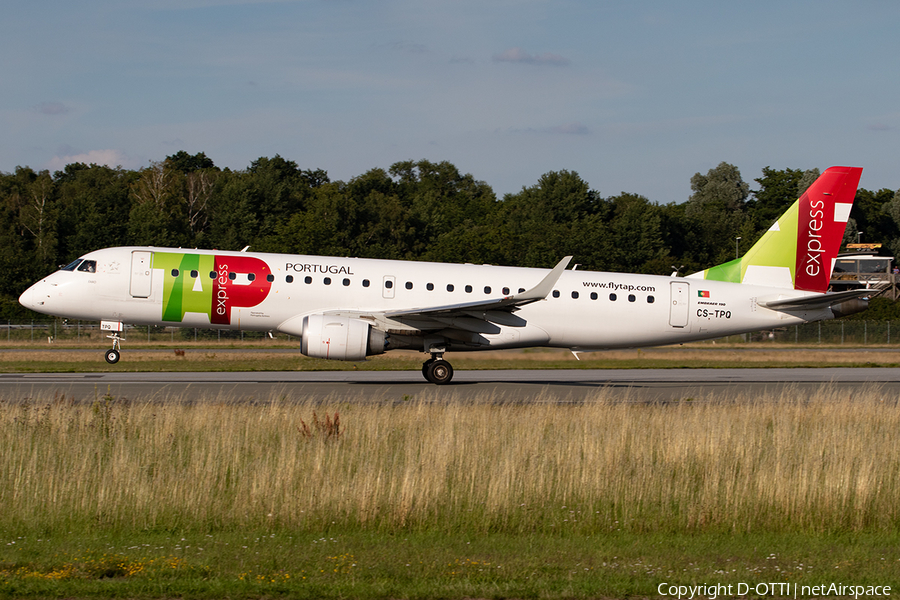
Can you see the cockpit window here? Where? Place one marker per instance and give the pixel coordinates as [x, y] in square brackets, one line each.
[71, 266]
[88, 266]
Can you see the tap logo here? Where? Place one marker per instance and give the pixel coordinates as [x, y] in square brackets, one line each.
[210, 285]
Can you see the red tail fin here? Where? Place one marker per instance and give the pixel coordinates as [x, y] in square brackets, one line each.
[824, 210]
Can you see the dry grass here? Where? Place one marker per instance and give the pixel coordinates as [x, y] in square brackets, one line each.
[820, 463]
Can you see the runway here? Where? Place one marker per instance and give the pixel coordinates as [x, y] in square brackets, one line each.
[569, 385]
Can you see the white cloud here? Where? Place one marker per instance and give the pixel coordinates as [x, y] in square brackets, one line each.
[517, 55]
[110, 158]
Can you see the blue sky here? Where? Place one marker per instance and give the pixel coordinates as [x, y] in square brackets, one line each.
[634, 96]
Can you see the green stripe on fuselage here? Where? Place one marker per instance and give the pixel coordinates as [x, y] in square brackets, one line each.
[730, 271]
[183, 293]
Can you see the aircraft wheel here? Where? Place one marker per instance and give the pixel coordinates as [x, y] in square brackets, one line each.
[425, 366]
[112, 356]
[439, 372]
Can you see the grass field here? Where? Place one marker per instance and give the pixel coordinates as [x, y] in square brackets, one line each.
[608, 498]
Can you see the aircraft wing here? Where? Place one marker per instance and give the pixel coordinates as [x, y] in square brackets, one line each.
[814, 302]
[482, 316]
[506, 303]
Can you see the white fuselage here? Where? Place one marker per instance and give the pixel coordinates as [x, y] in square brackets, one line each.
[268, 292]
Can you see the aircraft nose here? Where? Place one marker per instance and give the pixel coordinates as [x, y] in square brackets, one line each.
[32, 297]
[27, 298]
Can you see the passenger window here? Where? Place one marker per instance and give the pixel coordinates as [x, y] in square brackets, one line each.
[232, 276]
[631, 297]
[575, 295]
[593, 295]
[174, 272]
[556, 293]
[612, 297]
[194, 274]
[270, 278]
[251, 276]
[88, 266]
[289, 279]
[650, 299]
[327, 281]
[449, 287]
[212, 274]
[365, 283]
[409, 285]
[71, 266]
[468, 289]
[346, 282]
[307, 279]
[487, 289]
[429, 287]
[521, 290]
[388, 283]
[505, 291]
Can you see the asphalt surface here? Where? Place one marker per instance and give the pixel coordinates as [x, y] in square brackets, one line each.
[570, 385]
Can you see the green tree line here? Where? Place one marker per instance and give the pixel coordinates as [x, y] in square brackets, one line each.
[417, 210]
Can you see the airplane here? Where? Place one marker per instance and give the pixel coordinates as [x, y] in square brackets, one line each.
[351, 308]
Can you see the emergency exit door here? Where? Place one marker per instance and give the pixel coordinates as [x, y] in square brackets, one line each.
[387, 288]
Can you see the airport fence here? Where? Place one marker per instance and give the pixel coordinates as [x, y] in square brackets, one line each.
[833, 333]
[851, 333]
[50, 331]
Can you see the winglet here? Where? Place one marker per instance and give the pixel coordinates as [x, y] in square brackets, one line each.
[542, 289]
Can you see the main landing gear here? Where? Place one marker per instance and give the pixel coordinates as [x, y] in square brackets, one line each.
[113, 354]
[437, 370]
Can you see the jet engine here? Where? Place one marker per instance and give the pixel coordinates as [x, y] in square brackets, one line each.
[340, 338]
[849, 307]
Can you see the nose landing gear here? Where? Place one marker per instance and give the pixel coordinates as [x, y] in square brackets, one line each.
[114, 353]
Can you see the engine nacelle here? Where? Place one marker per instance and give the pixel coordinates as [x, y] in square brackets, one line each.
[850, 307]
[340, 338]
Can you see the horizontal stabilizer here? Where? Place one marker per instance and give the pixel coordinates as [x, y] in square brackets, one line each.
[817, 301]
